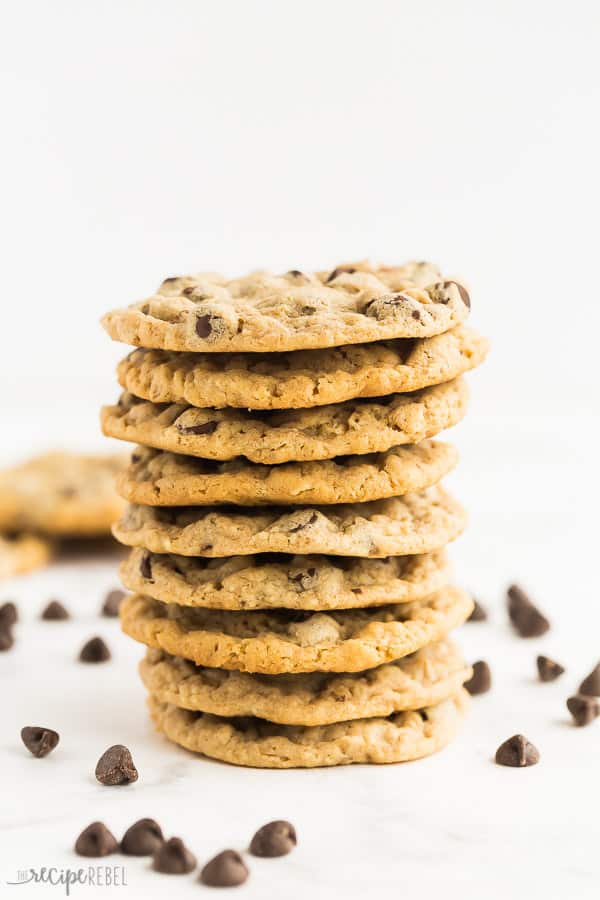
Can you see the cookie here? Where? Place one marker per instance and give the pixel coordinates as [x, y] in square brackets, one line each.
[302, 379]
[263, 312]
[272, 642]
[61, 493]
[22, 553]
[256, 742]
[422, 679]
[159, 478]
[279, 581]
[415, 523]
[302, 435]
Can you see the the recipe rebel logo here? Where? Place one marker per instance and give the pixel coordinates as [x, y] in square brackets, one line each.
[90, 876]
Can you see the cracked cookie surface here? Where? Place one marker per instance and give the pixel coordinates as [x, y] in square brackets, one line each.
[61, 494]
[285, 641]
[421, 679]
[255, 742]
[160, 478]
[414, 523]
[306, 378]
[22, 553]
[292, 582]
[261, 312]
[353, 427]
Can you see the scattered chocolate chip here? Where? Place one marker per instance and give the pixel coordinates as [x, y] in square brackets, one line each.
[548, 669]
[8, 615]
[274, 839]
[204, 428]
[227, 869]
[143, 838]
[203, 326]
[591, 684]
[55, 612]
[517, 751]
[464, 294]
[481, 680]
[96, 840]
[94, 651]
[6, 639]
[112, 603]
[310, 521]
[173, 858]
[583, 708]
[38, 740]
[338, 271]
[524, 615]
[479, 613]
[115, 766]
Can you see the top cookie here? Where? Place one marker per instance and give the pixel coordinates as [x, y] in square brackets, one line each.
[61, 494]
[304, 379]
[350, 304]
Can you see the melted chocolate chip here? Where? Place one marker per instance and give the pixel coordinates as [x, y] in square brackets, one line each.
[143, 838]
[227, 869]
[173, 858]
[116, 766]
[584, 709]
[548, 669]
[296, 273]
[310, 521]
[38, 740]
[274, 839]
[146, 565]
[481, 680]
[96, 840]
[203, 326]
[55, 612]
[517, 752]
[464, 294]
[94, 651]
[524, 615]
[203, 428]
[338, 271]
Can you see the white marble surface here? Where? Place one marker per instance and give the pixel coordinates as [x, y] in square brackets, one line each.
[454, 825]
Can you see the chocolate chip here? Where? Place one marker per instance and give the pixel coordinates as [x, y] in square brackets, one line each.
[6, 639]
[94, 651]
[591, 684]
[112, 603]
[296, 273]
[416, 314]
[146, 565]
[583, 708]
[524, 615]
[203, 326]
[479, 613]
[55, 612]
[143, 838]
[310, 521]
[517, 751]
[8, 615]
[115, 766]
[274, 839]
[227, 869]
[548, 669]
[171, 279]
[204, 428]
[338, 271]
[464, 294]
[96, 840]
[481, 680]
[173, 858]
[38, 740]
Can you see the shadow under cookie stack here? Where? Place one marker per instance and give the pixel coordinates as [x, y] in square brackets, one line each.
[286, 518]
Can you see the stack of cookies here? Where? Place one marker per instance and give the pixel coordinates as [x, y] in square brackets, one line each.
[286, 518]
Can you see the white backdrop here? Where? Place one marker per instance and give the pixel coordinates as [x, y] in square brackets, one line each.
[145, 139]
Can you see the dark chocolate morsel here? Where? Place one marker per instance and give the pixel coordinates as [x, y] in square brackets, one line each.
[38, 740]
[96, 840]
[274, 839]
[227, 869]
[116, 766]
[517, 752]
[173, 858]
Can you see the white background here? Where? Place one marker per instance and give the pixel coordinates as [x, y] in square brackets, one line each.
[147, 139]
